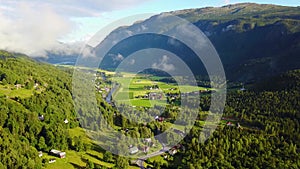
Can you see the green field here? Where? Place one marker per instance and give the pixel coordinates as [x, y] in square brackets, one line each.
[12, 92]
[133, 88]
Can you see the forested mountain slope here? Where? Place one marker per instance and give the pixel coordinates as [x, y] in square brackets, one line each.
[254, 41]
[35, 99]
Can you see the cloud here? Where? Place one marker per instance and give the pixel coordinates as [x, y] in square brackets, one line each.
[132, 62]
[32, 31]
[34, 27]
[119, 57]
[116, 58]
[164, 65]
[227, 1]
[68, 49]
[173, 42]
[77, 8]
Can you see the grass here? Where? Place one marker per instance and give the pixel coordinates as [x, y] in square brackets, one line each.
[158, 159]
[11, 91]
[133, 86]
[77, 159]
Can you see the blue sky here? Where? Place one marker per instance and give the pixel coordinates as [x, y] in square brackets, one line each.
[90, 25]
[24, 23]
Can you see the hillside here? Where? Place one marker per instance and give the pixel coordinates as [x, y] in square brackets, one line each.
[268, 135]
[37, 114]
[254, 41]
[260, 127]
[28, 91]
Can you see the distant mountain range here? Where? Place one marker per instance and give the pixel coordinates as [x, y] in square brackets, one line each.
[253, 41]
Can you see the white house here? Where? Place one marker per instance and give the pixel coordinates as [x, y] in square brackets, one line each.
[58, 153]
[133, 150]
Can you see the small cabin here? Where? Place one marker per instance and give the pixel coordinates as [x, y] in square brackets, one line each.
[230, 124]
[40, 154]
[148, 140]
[52, 160]
[58, 153]
[133, 150]
[146, 149]
[173, 151]
[41, 117]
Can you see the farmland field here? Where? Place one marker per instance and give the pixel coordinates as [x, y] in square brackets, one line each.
[135, 90]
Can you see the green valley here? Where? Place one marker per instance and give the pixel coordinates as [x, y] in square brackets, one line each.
[74, 117]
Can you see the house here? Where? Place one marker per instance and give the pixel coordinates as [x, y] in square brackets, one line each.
[243, 89]
[18, 86]
[173, 151]
[58, 153]
[133, 150]
[229, 124]
[52, 160]
[40, 154]
[36, 85]
[148, 140]
[66, 121]
[146, 149]
[161, 119]
[41, 118]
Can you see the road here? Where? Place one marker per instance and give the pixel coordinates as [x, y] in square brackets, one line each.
[140, 161]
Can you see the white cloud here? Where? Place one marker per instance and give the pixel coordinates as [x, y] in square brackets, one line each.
[33, 27]
[31, 31]
[227, 1]
[173, 42]
[76, 8]
[117, 58]
[164, 65]
[132, 62]
[68, 49]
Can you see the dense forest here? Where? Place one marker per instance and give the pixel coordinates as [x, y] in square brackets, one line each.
[269, 136]
[34, 122]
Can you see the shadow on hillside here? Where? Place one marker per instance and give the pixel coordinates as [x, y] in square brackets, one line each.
[76, 166]
[94, 156]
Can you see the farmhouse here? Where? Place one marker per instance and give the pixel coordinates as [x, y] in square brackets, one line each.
[133, 150]
[41, 117]
[18, 86]
[155, 96]
[40, 154]
[148, 140]
[52, 160]
[146, 149]
[229, 123]
[161, 119]
[57, 153]
[173, 151]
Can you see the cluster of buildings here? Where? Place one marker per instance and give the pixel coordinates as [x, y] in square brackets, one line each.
[148, 143]
[53, 152]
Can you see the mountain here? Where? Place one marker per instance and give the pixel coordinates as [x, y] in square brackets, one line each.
[253, 41]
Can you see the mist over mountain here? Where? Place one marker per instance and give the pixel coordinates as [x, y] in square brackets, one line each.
[253, 41]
